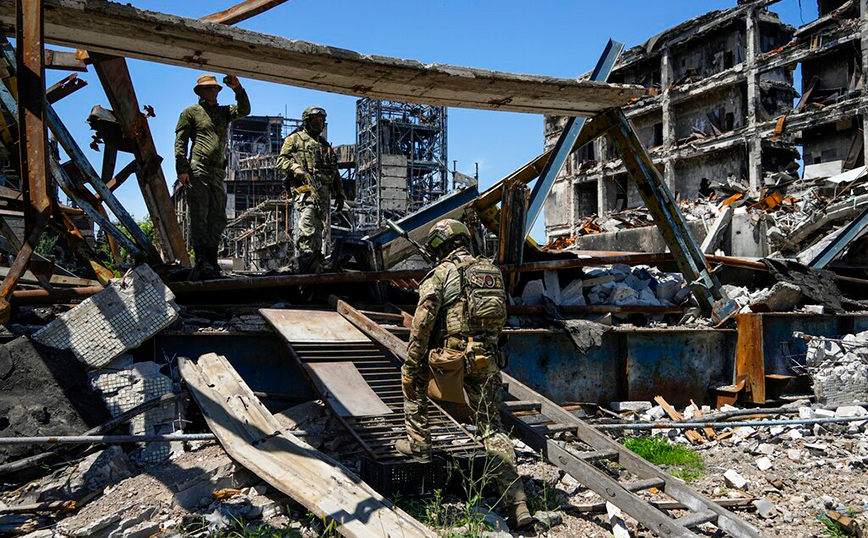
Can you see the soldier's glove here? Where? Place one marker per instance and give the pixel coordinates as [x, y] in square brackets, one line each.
[339, 204]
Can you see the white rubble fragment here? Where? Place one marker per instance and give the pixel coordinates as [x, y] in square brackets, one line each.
[806, 413]
[734, 480]
[763, 463]
[532, 293]
[794, 454]
[765, 508]
[636, 406]
[552, 286]
[765, 448]
[572, 294]
[824, 413]
[851, 411]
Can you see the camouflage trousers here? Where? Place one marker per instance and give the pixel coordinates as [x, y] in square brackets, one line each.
[484, 390]
[311, 218]
[206, 197]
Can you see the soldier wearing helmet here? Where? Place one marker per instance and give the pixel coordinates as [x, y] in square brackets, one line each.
[311, 169]
[461, 313]
[203, 171]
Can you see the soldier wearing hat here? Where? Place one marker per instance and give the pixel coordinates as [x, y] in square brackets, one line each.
[202, 171]
[311, 168]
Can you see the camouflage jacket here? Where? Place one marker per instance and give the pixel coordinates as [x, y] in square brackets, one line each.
[439, 312]
[208, 127]
[314, 157]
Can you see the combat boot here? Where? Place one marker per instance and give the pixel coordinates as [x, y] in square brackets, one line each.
[410, 449]
[519, 516]
[199, 266]
[213, 271]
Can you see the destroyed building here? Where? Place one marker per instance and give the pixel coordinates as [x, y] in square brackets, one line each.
[720, 112]
[680, 392]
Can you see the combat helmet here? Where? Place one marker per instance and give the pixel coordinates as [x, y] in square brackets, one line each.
[313, 111]
[446, 235]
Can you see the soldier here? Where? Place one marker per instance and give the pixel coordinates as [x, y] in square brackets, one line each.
[207, 124]
[461, 311]
[311, 169]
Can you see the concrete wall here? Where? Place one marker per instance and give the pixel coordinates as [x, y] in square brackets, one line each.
[719, 50]
[693, 113]
[646, 239]
[829, 142]
[713, 166]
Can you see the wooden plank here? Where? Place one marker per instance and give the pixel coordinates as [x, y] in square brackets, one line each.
[348, 392]
[298, 326]
[124, 30]
[694, 436]
[749, 359]
[254, 438]
[242, 11]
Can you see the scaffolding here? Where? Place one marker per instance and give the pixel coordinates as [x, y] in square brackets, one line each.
[400, 159]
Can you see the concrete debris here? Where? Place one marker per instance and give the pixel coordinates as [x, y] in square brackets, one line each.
[838, 368]
[734, 480]
[115, 320]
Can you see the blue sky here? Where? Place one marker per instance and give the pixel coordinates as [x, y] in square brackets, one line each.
[556, 38]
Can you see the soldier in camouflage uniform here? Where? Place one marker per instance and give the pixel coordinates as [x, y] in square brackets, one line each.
[202, 174]
[444, 319]
[311, 168]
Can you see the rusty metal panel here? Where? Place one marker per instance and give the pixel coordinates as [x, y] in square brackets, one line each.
[348, 393]
[749, 360]
[313, 326]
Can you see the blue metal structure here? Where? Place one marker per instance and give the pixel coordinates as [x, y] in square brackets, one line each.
[567, 140]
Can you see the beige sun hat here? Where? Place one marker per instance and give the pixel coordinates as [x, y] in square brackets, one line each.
[206, 80]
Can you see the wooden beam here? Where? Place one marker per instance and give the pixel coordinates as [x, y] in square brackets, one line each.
[242, 11]
[123, 30]
[256, 440]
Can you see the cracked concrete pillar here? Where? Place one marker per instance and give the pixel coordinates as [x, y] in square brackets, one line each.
[863, 5]
[754, 142]
[601, 149]
[666, 79]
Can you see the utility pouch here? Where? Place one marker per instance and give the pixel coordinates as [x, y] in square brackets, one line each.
[447, 375]
[476, 357]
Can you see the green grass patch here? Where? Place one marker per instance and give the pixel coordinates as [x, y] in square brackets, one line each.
[679, 461]
[831, 528]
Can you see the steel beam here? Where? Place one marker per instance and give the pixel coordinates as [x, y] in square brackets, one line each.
[65, 87]
[566, 142]
[834, 249]
[33, 139]
[115, 77]
[668, 218]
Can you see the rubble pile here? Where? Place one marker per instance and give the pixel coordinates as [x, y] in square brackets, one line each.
[838, 368]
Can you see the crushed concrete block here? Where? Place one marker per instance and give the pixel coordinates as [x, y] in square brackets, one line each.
[647, 298]
[782, 297]
[117, 319]
[533, 293]
[765, 448]
[823, 413]
[549, 519]
[637, 407]
[667, 288]
[573, 294]
[682, 295]
[734, 480]
[794, 455]
[763, 463]
[552, 286]
[623, 295]
[655, 413]
[851, 411]
[815, 308]
[765, 508]
[806, 412]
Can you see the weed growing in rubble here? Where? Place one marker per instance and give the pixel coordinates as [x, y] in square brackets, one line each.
[679, 461]
[239, 529]
[831, 528]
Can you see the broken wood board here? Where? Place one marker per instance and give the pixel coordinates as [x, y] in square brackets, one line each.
[348, 393]
[694, 436]
[254, 438]
[123, 30]
[302, 326]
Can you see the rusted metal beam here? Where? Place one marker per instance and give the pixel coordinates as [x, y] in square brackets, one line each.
[33, 139]
[242, 11]
[57, 296]
[65, 87]
[67, 61]
[115, 77]
[122, 176]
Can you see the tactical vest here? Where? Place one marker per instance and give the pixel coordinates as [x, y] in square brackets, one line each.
[474, 298]
[317, 158]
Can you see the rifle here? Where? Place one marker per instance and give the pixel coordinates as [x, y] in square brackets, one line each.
[426, 254]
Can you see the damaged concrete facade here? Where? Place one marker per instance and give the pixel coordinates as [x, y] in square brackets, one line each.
[720, 110]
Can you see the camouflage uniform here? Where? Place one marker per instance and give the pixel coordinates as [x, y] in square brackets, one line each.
[313, 157]
[439, 319]
[208, 127]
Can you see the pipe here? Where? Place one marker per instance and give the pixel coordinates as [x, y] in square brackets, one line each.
[114, 439]
[721, 425]
[20, 297]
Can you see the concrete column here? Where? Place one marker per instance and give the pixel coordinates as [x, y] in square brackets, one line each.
[666, 80]
[863, 4]
[754, 143]
[601, 149]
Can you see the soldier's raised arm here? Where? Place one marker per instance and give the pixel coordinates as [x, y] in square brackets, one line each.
[242, 106]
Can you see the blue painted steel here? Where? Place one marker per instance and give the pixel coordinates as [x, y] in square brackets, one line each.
[833, 249]
[630, 364]
[564, 145]
[781, 351]
[66, 184]
[427, 214]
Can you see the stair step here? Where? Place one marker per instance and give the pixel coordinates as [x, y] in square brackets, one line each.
[641, 485]
[523, 405]
[697, 518]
